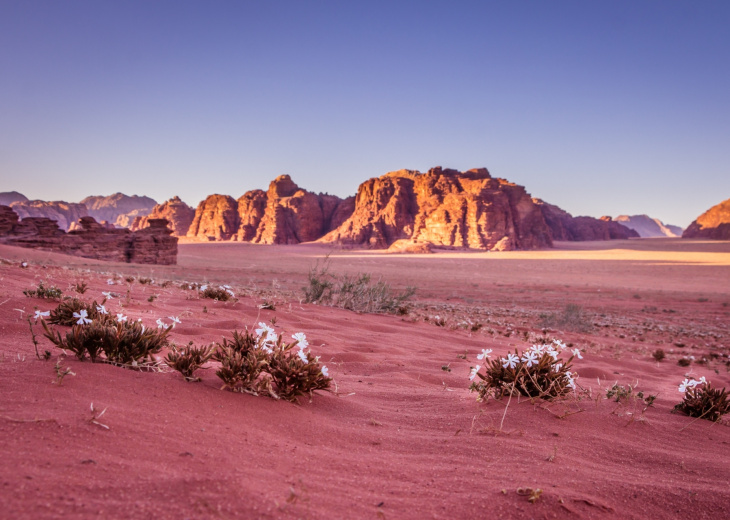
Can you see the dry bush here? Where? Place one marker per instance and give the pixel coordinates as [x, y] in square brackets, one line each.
[354, 292]
[48, 293]
[189, 359]
[703, 401]
[222, 294]
[122, 343]
[63, 314]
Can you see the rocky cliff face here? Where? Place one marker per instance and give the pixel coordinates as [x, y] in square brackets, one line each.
[443, 207]
[119, 209]
[8, 197]
[152, 245]
[175, 211]
[284, 214]
[713, 223]
[563, 226]
[648, 227]
[65, 213]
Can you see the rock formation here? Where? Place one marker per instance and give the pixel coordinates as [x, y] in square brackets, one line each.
[445, 208]
[175, 211]
[152, 245]
[713, 223]
[119, 209]
[284, 214]
[648, 227]
[8, 197]
[65, 213]
[563, 226]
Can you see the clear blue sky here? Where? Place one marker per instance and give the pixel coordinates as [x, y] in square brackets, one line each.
[601, 107]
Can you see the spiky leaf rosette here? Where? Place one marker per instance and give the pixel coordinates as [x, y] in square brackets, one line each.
[291, 376]
[189, 359]
[705, 402]
[548, 378]
[242, 361]
[63, 314]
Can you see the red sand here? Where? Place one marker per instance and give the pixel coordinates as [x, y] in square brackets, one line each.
[401, 438]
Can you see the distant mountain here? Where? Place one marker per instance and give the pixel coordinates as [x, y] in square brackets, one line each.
[564, 226]
[648, 227]
[713, 223]
[119, 209]
[65, 213]
[8, 197]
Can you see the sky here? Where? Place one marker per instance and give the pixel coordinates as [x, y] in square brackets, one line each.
[601, 107]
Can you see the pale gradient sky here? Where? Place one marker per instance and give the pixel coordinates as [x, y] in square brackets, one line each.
[601, 107]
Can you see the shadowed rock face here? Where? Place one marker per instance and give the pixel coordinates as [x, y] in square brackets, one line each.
[284, 214]
[713, 223]
[152, 245]
[648, 227]
[65, 213]
[118, 209]
[443, 207]
[8, 197]
[175, 211]
[563, 226]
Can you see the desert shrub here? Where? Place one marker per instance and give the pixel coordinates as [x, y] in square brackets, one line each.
[189, 359]
[354, 292]
[703, 401]
[63, 314]
[80, 287]
[659, 354]
[684, 362]
[621, 393]
[145, 281]
[222, 293]
[537, 372]
[49, 293]
[263, 364]
[122, 343]
[572, 318]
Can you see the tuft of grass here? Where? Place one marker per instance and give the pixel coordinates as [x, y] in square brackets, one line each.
[189, 359]
[354, 292]
[43, 292]
[80, 287]
[572, 318]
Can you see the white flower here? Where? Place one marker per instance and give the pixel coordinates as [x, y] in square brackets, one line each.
[143, 329]
[560, 344]
[571, 381]
[225, 286]
[83, 317]
[510, 361]
[303, 356]
[159, 323]
[576, 352]
[107, 295]
[264, 330]
[325, 371]
[203, 287]
[552, 353]
[485, 353]
[230, 292]
[684, 385]
[101, 309]
[702, 381]
[110, 282]
[121, 317]
[301, 340]
[557, 367]
[530, 358]
[474, 371]
[23, 264]
[538, 349]
[39, 314]
[175, 320]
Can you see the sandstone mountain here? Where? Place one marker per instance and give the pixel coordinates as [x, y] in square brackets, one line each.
[564, 226]
[8, 197]
[65, 213]
[175, 211]
[119, 209]
[443, 207]
[284, 214]
[648, 227]
[713, 223]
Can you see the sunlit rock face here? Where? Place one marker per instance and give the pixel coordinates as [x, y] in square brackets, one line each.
[443, 207]
[713, 223]
[118, 209]
[175, 211]
[65, 213]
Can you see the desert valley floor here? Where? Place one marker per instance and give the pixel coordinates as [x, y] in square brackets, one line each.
[400, 436]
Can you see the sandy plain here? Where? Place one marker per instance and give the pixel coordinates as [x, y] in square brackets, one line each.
[402, 436]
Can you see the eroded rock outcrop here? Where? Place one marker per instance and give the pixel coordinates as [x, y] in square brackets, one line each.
[648, 227]
[8, 197]
[119, 209]
[175, 211]
[152, 245]
[284, 214]
[445, 208]
[713, 223]
[65, 213]
[564, 226]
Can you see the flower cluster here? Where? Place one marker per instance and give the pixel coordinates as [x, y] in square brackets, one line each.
[539, 371]
[703, 401]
